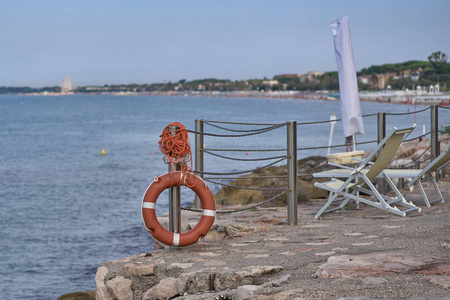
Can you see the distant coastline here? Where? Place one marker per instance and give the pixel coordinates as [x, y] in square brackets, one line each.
[388, 96]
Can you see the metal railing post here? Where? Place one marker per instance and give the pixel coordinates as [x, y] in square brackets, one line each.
[292, 173]
[435, 150]
[174, 197]
[381, 134]
[198, 155]
[435, 147]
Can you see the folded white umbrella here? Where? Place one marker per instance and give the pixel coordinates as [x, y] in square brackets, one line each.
[348, 87]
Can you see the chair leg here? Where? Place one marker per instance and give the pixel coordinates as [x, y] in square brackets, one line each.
[424, 195]
[394, 188]
[373, 191]
[438, 192]
[331, 198]
[384, 202]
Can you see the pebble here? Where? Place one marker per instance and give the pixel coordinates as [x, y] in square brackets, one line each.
[281, 238]
[392, 226]
[209, 254]
[318, 244]
[288, 253]
[257, 256]
[370, 237]
[353, 234]
[339, 249]
[362, 244]
[325, 253]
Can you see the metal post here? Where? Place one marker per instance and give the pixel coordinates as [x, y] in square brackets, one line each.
[198, 155]
[381, 121]
[435, 151]
[174, 197]
[381, 134]
[435, 147]
[292, 180]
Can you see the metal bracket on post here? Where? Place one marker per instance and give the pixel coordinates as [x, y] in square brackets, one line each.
[381, 130]
[292, 181]
[174, 197]
[198, 155]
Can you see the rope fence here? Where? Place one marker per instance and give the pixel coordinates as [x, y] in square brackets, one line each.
[241, 209]
[245, 159]
[408, 113]
[240, 172]
[242, 130]
[254, 132]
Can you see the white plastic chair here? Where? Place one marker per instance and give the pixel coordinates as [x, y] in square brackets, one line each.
[360, 178]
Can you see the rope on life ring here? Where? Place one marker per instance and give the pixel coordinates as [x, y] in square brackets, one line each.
[174, 145]
[151, 221]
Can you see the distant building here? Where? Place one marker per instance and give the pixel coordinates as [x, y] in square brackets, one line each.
[415, 77]
[286, 76]
[66, 85]
[382, 80]
[364, 79]
[308, 77]
[270, 82]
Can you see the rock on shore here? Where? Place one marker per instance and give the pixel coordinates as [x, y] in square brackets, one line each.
[150, 277]
[261, 179]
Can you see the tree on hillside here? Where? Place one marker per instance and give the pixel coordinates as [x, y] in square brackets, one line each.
[438, 60]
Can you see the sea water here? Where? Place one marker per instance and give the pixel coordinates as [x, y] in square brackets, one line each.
[65, 207]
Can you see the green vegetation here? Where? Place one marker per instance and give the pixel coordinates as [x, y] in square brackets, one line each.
[399, 76]
[438, 61]
[28, 90]
[412, 73]
[395, 68]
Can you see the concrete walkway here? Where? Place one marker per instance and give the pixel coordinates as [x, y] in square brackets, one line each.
[360, 253]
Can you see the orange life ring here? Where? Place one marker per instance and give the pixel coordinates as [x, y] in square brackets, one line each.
[151, 222]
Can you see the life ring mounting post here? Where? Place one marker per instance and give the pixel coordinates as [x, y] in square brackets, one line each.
[174, 193]
[177, 239]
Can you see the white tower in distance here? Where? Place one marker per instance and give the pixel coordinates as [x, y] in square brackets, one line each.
[66, 85]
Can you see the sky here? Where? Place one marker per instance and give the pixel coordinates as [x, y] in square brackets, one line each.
[145, 41]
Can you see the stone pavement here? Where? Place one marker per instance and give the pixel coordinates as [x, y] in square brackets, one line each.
[360, 253]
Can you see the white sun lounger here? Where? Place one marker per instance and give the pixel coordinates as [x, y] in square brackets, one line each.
[359, 179]
[429, 174]
[417, 176]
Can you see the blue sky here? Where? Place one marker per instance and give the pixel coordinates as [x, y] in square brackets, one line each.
[145, 41]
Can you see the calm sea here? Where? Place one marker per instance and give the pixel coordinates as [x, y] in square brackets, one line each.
[65, 208]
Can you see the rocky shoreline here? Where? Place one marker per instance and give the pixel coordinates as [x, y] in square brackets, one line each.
[254, 254]
[365, 253]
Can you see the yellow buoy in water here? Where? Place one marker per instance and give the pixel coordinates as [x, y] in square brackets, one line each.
[103, 152]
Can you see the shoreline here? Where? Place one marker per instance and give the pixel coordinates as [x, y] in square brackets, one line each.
[394, 97]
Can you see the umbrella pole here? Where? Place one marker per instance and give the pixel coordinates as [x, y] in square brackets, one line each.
[333, 121]
[354, 142]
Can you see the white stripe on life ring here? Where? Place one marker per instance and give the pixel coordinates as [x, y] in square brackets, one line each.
[209, 212]
[150, 205]
[176, 239]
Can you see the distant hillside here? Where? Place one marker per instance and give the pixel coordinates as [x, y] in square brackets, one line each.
[398, 67]
[398, 76]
